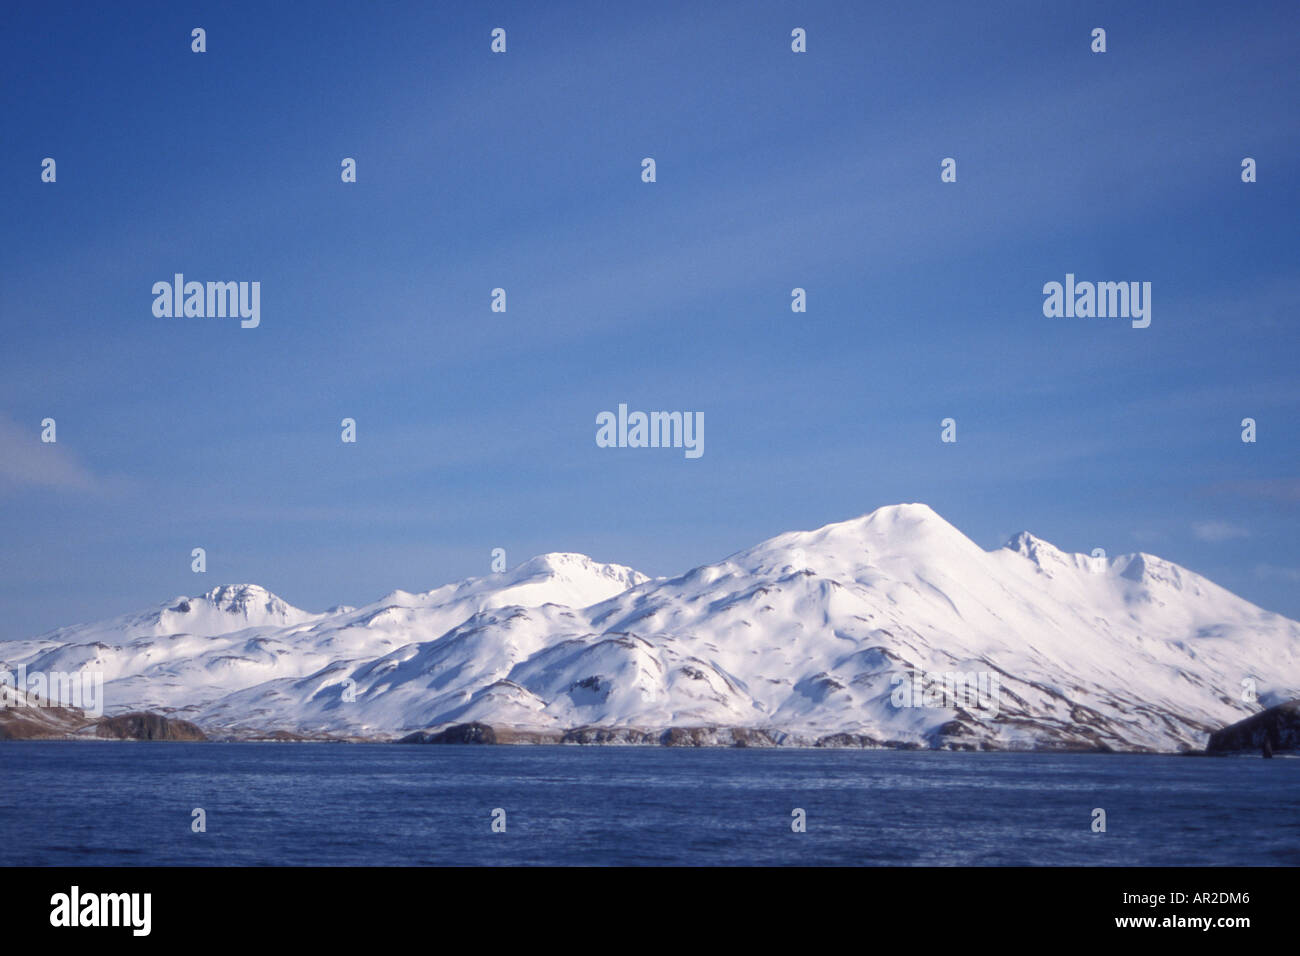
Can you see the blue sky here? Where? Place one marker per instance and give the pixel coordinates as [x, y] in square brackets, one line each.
[775, 170]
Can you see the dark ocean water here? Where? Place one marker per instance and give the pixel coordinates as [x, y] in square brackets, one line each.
[74, 803]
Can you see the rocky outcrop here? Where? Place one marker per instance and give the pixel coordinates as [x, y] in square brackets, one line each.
[607, 735]
[1278, 726]
[719, 737]
[472, 733]
[147, 726]
[40, 723]
[478, 733]
[865, 742]
[28, 717]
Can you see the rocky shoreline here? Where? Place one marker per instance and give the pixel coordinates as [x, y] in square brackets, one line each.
[1276, 730]
[709, 736]
[68, 723]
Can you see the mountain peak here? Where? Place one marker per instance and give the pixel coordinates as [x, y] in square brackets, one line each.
[902, 527]
[210, 613]
[239, 598]
[840, 549]
[906, 518]
[557, 577]
[1033, 547]
[567, 564]
[905, 511]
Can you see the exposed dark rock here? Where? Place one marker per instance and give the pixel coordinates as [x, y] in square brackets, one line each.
[744, 737]
[40, 723]
[593, 685]
[606, 735]
[847, 740]
[1278, 728]
[147, 726]
[685, 737]
[471, 733]
[37, 721]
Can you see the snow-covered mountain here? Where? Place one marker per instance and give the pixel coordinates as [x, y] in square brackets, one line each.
[847, 635]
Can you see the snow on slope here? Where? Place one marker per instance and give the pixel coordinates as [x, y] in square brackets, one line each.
[192, 651]
[806, 636]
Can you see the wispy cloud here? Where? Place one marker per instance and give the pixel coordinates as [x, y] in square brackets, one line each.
[1275, 573]
[1218, 531]
[1269, 489]
[26, 461]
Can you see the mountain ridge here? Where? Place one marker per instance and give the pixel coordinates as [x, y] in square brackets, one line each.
[807, 637]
